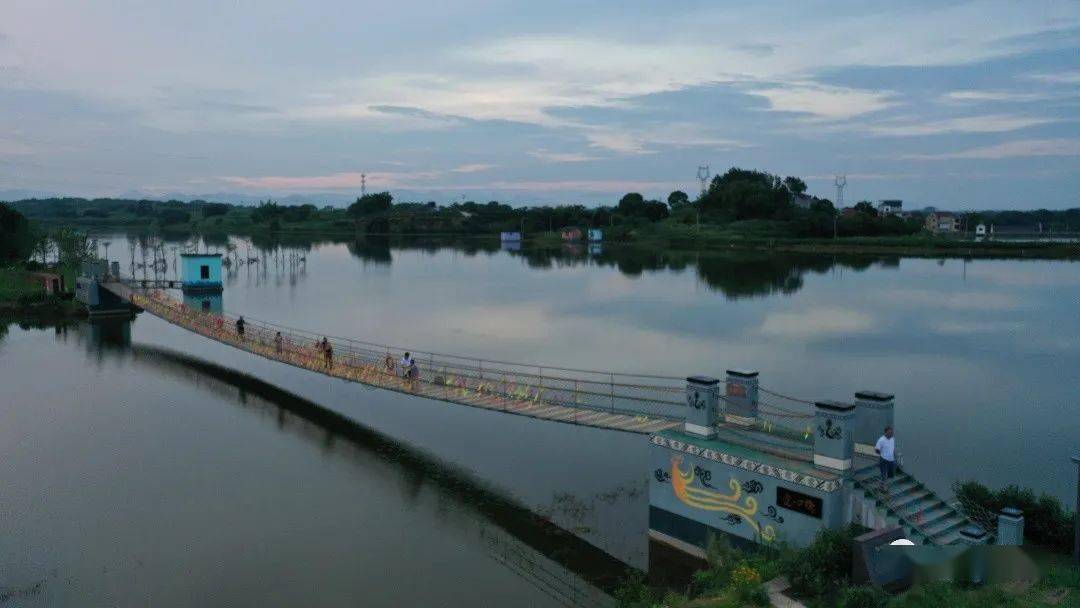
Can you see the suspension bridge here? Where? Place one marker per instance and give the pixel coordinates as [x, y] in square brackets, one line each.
[636, 403]
[817, 457]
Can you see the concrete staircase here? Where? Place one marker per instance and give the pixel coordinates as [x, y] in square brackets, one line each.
[904, 501]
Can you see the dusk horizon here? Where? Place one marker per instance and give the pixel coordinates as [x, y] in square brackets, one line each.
[969, 106]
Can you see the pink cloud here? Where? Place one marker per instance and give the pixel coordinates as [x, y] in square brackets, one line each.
[345, 180]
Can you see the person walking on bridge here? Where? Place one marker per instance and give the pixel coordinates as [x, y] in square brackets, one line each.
[240, 327]
[278, 342]
[886, 449]
[328, 353]
[406, 363]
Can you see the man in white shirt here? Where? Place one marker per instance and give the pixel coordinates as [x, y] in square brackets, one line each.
[886, 449]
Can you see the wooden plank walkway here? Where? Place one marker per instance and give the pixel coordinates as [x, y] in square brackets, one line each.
[488, 395]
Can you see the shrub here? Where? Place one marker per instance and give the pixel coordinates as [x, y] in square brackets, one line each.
[634, 592]
[863, 597]
[1046, 520]
[823, 568]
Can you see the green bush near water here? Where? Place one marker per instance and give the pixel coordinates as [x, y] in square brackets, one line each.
[1046, 520]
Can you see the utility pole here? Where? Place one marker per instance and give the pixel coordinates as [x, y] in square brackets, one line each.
[363, 185]
[703, 177]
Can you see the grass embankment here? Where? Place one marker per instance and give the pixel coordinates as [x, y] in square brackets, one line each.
[765, 235]
[819, 577]
[662, 235]
[20, 296]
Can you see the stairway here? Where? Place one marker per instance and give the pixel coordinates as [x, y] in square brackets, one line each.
[906, 502]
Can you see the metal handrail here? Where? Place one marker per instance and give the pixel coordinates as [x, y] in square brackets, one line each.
[363, 365]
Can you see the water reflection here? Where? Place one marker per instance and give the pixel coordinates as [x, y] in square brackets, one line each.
[566, 568]
[282, 259]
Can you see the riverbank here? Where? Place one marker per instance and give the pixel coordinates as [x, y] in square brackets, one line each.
[21, 298]
[819, 576]
[663, 238]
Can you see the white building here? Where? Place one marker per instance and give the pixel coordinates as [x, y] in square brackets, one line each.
[890, 207]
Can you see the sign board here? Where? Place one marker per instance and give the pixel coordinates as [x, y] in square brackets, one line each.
[799, 502]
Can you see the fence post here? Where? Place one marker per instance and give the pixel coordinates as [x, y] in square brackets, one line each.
[741, 397]
[612, 393]
[702, 406]
[1010, 527]
[833, 445]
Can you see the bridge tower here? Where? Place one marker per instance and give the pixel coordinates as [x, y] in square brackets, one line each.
[200, 272]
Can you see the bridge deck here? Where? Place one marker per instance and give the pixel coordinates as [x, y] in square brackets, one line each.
[458, 385]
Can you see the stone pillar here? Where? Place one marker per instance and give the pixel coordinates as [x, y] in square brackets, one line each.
[833, 445]
[1010, 527]
[702, 406]
[975, 536]
[741, 397]
[873, 412]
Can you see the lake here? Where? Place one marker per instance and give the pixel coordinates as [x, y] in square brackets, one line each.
[144, 464]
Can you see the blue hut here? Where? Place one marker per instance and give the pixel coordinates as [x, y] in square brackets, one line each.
[200, 271]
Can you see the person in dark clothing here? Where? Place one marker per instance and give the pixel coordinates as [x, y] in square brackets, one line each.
[240, 326]
[278, 342]
[328, 352]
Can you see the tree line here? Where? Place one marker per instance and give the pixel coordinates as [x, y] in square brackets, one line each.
[737, 201]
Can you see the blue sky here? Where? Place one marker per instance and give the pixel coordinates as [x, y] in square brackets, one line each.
[970, 105]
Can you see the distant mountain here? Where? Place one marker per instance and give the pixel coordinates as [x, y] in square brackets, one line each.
[15, 194]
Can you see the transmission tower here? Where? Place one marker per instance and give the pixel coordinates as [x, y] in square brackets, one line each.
[840, 181]
[363, 185]
[703, 177]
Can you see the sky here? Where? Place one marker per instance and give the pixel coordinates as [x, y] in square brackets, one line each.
[966, 105]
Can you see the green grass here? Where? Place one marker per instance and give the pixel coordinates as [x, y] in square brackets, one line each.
[15, 291]
[819, 578]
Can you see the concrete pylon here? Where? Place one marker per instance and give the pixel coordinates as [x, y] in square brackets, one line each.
[833, 444]
[702, 406]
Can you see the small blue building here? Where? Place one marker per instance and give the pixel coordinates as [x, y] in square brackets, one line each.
[200, 271]
[596, 235]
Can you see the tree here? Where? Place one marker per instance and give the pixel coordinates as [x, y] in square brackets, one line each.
[794, 185]
[745, 194]
[370, 204]
[866, 207]
[655, 211]
[212, 209]
[632, 205]
[678, 199]
[16, 239]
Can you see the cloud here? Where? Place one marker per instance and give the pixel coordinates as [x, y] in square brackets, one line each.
[991, 123]
[473, 168]
[603, 186]
[562, 157]
[959, 300]
[824, 102]
[973, 96]
[1063, 77]
[333, 181]
[646, 140]
[1011, 149]
[975, 328]
[14, 148]
[413, 112]
[817, 323]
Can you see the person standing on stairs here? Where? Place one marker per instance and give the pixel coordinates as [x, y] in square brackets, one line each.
[886, 449]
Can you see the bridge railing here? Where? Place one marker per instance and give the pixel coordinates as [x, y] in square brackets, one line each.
[613, 392]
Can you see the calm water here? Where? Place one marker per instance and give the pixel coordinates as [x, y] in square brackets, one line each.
[141, 465]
